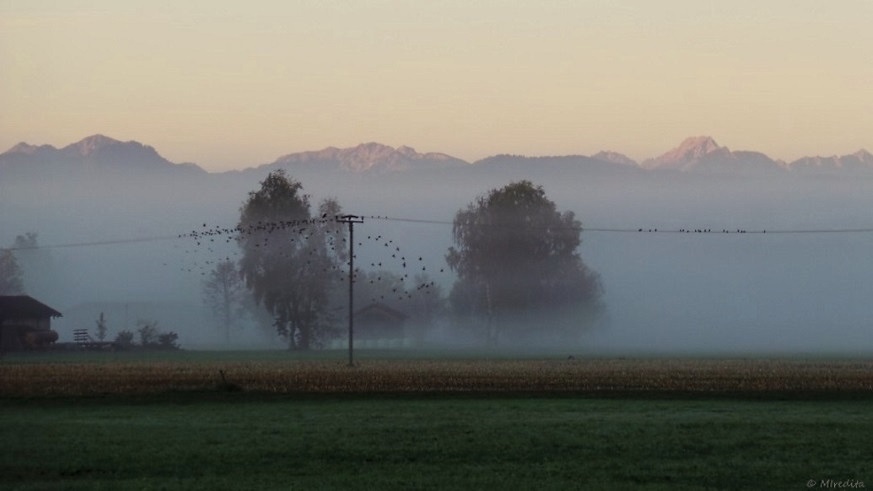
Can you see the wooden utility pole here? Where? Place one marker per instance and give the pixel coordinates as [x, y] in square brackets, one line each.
[351, 220]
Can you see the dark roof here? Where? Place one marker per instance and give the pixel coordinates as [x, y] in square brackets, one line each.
[381, 308]
[24, 306]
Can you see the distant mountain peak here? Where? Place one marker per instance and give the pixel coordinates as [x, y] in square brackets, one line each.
[864, 155]
[92, 144]
[28, 149]
[96, 154]
[369, 157]
[614, 157]
[703, 143]
[691, 149]
[703, 154]
[687, 155]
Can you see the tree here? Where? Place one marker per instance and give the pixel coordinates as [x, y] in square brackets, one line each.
[10, 274]
[124, 338]
[167, 340]
[39, 271]
[516, 259]
[148, 332]
[224, 294]
[101, 327]
[291, 261]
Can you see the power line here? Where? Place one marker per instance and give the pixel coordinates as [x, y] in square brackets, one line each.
[709, 231]
[691, 230]
[617, 230]
[94, 243]
[411, 220]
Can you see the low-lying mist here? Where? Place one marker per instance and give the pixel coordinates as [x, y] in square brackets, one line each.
[803, 292]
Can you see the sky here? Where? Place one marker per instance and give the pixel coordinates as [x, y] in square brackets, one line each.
[229, 84]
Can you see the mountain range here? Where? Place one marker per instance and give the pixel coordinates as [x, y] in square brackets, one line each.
[698, 155]
[94, 154]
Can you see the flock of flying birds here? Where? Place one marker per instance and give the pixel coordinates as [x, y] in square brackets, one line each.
[392, 269]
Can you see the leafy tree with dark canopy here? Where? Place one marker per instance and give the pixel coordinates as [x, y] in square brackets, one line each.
[291, 261]
[518, 267]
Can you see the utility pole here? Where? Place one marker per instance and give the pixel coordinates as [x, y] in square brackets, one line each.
[351, 220]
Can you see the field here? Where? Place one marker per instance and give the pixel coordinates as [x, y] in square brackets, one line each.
[170, 421]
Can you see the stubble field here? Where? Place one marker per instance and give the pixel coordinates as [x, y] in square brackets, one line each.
[281, 373]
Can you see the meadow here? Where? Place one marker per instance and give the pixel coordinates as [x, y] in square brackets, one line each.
[278, 421]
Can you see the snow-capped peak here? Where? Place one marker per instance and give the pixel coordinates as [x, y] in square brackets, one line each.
[91, 144]
[688, 153]
[693, 148]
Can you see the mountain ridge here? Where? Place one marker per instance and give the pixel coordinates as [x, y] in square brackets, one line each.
[93, 154]
[368, 157]
[698, 154]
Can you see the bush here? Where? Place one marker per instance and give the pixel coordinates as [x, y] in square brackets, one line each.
[167, 340]
[150, 338]
[124, 338]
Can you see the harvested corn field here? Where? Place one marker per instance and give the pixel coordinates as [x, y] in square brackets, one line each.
[443, 376]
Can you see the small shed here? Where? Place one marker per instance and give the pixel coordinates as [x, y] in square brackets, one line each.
[25, 323]
[379, 321]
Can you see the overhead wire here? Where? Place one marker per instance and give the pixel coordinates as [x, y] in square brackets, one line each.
[64, 245]
[692, 230]
[597, 229]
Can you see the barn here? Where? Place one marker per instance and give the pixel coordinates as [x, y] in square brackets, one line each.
[25, 324]
[379, 322]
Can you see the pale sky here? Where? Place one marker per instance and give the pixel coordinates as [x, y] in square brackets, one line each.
[232, 84]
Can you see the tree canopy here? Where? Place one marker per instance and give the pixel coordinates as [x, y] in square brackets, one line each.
[291, 260]
[516, 259]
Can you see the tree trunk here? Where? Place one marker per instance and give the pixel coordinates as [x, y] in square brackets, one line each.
[490, 326]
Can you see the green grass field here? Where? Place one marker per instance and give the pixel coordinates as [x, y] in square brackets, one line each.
[592, 425]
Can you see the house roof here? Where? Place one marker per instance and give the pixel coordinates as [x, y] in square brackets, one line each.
[381, 309]
[21, 306]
